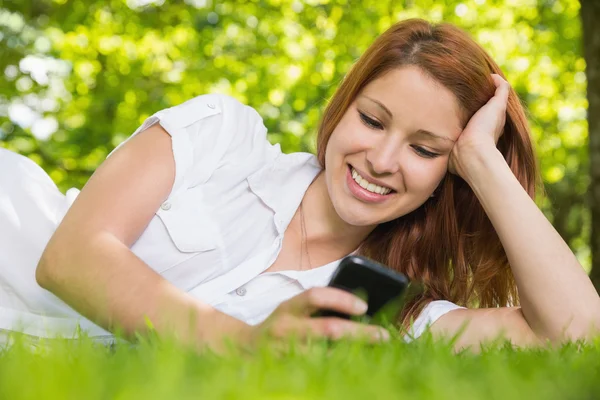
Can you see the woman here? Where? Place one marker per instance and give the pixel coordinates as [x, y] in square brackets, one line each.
[200, 226]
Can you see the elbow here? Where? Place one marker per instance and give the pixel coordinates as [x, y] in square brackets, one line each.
[586, 328]
[582, 328]
[41, 275]
[45, 272]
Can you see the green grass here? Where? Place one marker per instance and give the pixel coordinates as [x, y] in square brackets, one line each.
[343, 370]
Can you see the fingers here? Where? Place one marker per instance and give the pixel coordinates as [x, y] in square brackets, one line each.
[327, 298]
[291, 318]
[502, 90]
[335, 328]
[330, 328]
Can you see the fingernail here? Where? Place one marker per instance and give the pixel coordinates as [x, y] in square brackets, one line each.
[360, 306]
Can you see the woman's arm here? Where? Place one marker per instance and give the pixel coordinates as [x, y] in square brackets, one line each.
[89, 265]
[558, 300]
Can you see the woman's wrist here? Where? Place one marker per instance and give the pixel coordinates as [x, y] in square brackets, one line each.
[215, 330]
[475, 167]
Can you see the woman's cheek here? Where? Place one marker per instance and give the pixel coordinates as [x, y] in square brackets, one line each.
[347, 137]
[425, 174]
[358, 139]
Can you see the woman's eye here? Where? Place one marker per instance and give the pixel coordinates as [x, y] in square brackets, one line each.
[424, 153]
[371, 123]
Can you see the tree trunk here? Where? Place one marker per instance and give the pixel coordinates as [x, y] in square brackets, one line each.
[590, 16]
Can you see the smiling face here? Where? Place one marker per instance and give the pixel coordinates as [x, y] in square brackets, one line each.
[395, 137]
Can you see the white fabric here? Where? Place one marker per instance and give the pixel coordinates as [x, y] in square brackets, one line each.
[430, 313]
[220, 228]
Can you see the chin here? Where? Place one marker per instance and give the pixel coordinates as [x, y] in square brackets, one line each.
[364, 215]
[355, 216]
[356, 220]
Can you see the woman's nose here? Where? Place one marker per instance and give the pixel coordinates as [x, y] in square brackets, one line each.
[383, 158]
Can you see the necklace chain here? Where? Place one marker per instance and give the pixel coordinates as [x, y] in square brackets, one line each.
[303, 243]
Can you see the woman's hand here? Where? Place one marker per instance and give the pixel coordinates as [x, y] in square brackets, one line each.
[293, 318]
[482, 131]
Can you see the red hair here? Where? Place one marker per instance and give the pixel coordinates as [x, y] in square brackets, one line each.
[448, 243]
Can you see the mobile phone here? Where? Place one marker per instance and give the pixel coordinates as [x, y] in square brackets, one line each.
[382, 288]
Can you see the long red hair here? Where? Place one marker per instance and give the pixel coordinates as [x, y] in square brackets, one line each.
[448, 243]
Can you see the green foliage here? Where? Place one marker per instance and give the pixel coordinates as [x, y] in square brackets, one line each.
[343, 370]
[112, 64]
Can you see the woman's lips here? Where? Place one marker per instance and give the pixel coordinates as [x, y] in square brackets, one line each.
[363, 194]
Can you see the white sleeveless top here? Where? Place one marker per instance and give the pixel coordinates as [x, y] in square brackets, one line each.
[221, 226]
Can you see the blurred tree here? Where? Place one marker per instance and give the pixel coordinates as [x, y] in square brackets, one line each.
[590, 15]
[78, 77]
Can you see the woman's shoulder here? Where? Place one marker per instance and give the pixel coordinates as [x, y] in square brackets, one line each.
[207, 105]
[430, 313]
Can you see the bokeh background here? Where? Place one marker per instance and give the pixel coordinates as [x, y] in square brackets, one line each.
[77, 77]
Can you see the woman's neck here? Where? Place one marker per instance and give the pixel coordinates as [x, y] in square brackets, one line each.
[323, 224]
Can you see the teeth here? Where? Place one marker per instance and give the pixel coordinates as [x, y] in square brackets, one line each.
[371, 187]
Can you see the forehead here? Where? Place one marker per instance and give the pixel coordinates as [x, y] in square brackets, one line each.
[416, 101]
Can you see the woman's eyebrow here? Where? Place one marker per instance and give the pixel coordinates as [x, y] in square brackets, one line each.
[380, 104]
[419, 132]
[425, 132]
